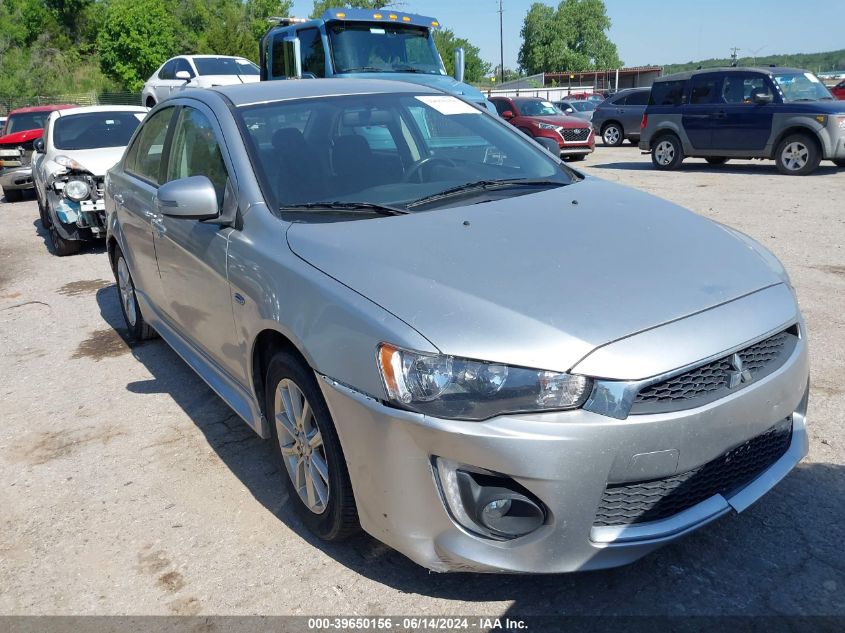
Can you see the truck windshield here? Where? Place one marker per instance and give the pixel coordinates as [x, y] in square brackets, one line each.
[383, 48]
[26, 121]
[95, 129]
[225, 66]
[802, 87]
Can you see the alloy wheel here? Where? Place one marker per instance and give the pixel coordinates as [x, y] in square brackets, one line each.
[664, 152]
[127, 292]
[302, 446]
[795, 156]
[611, 135]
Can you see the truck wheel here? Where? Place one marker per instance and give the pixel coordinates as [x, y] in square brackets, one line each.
[13, 195]
[798, 155]
[717, 160]
[612, 135]
[137, 327]
[61, 246]
[667, 153]
[309, 451]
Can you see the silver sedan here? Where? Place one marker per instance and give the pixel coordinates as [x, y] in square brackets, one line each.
[483, 358]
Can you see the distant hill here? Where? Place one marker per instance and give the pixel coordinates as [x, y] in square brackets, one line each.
[816, 62]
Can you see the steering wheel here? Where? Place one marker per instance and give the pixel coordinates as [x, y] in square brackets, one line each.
[415, 169]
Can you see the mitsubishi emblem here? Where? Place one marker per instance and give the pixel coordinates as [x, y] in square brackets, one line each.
[739, 375]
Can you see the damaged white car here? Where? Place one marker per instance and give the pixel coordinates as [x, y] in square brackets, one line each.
[78, 146]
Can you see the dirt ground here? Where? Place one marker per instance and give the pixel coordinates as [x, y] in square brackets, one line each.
[128, 487]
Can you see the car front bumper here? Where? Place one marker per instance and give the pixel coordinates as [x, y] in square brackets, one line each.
[566, 460]
[16, 178]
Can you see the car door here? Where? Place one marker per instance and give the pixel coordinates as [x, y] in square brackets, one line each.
[699, 112]
[632, 112]
[133, 189]
[166, 80]
[192, 254]
[742, 124]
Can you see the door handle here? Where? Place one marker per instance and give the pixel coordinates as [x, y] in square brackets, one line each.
[157, 222]
[721, 114]
[118, 199]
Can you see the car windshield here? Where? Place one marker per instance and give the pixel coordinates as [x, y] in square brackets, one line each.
[390, 150]
[26, 121]
[802, 87]
[386, 48]
[95, 129]
[225, 66]
[536, 107]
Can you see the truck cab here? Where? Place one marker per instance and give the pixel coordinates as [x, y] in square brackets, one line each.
[361, 43]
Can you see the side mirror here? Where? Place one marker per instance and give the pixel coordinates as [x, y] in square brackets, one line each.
[569, 110]
[507, 115]
[184, 75]
[763, 98]
[192, 198]
[460, 64]
[292, 62]
[38, 145]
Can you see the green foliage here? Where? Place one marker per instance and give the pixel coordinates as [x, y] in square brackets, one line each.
[816, 62]
[572, 37]
[475, 68]
[321, 6]
[134, 38]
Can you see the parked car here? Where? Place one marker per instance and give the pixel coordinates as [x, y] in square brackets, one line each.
[838, 90]
[540, 119]
[201, 71]
[80, 144]
[618, 118]
[782, 114]
[22, 127]
[598, 96]
[444, 335]
[579, 109]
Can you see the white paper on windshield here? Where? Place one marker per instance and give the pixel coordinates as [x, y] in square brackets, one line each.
[812, 78]
[447, 105]
[243, 62]
[547, 104]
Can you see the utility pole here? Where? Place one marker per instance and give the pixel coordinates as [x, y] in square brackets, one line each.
[734, 51]
[502, 40]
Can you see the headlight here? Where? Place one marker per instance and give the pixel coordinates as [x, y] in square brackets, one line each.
[77, 190]
[68, 162]
[549, 126]
[459, 388]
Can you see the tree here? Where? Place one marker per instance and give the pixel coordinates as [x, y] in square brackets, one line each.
[134, 38]
[475, 68]
[321, 6]
[573, 37]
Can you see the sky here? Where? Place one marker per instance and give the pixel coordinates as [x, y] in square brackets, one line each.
[656, 31]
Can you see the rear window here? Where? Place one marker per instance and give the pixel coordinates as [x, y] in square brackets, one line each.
[669, 93]
[26, 121]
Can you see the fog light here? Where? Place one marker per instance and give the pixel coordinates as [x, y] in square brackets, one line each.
[495, 510]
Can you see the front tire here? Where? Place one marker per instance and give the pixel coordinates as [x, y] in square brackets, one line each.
[136, 326]
[309, 451]
[61, 246]
[667, 152]
[798, 155]
[612, 135]
[13, 195]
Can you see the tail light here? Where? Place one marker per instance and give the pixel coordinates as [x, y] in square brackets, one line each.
[644, 122]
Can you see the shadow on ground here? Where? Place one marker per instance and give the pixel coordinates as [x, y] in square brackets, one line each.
[782, 556]
[759, 168]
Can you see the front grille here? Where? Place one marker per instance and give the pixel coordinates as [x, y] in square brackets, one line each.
[713, 381]
[573, 135]
[641, 502]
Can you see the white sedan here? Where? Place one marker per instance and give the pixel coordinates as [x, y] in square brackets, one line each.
[78, 146]
[197, 71]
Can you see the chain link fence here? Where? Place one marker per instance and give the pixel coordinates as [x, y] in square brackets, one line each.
[9, 102]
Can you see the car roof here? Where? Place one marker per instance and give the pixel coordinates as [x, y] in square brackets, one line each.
[768, 70]
[284, 89]
[43, 108]
[102, 108]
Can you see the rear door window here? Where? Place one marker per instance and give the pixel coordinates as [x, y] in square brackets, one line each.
[639, 98]
[667, 93]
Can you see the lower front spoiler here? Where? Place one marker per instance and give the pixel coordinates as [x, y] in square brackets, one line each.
[16, 178]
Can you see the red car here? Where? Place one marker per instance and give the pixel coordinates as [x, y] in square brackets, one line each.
[838, 90]
[22, 127]
[540, 119]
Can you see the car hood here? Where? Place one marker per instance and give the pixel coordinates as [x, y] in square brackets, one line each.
[442, 82]
[96, 161]
[562, 121]
[538, 280]
[21, 137]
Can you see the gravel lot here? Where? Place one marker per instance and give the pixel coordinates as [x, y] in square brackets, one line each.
[128, 487]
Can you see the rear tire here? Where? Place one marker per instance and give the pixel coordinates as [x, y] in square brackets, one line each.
[667, 153]
[612, 135]
[309, 450]
[61, 246]
[136, 326]
[150, 102]
[798, 155]
[13, 195]
[717, 160]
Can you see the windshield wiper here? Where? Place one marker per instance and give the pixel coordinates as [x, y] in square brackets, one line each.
[363, 69]
[486, 185]
[409, 69]
[366, 207]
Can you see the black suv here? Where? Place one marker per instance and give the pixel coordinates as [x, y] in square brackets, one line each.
[785, 114]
